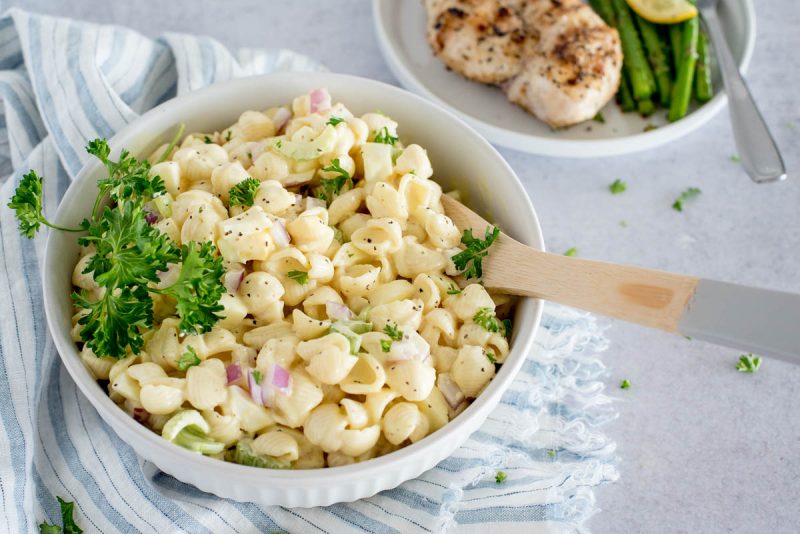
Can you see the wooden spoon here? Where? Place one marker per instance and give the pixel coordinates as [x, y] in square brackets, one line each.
[756, 320]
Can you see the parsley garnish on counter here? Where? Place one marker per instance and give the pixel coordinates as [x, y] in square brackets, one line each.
[625, 384]
[243, 193]
[571, 252]
[748, 363]
[70, 527]
[129, 255]
[500, 477]
[689, 194]
[617, 187]
[469, 260]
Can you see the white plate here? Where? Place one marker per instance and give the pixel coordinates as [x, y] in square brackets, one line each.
[400, 27]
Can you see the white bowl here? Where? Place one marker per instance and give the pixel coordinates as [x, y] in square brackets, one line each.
[461, 159]
[400, 27]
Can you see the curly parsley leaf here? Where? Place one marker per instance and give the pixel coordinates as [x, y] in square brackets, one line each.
[301, 277]
[128, 178]
[626, 384]
[383, 136]
[333, 121]
[571, 252]
[128, 250]
[748, 363]
[393, 332]
[243, 193]
[27, 205]
[507, 325]
[70, 527]
[468, 261]
[330, 187]
[115, 321]
[500, 477]
[491, 357]
[689, 194]
[198, 288]
[386, 345]
[486, 318]
[188, 359]
[257, 376]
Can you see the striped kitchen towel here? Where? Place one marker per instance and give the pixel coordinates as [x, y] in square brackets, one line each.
[62, 82]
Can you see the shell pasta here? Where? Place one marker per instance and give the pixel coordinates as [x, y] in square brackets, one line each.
[342, 335]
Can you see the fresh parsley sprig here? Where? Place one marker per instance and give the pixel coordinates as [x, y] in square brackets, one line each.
[27, 203]
[243, 193]
[393, 332]
[67, 520]
[333, 121]
[468, 261]
[617, 187]
[486, 318]
[129, 254]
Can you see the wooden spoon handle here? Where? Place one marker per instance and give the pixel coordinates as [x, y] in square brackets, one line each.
[644, 296]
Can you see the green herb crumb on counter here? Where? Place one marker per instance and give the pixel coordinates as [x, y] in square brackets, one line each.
[617, 187]
[571, 252]
[500, 477]
[689, 194]
[748, 363]
[67, 520]
[626, 384]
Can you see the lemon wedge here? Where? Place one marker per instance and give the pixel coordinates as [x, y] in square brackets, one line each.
[664, 11]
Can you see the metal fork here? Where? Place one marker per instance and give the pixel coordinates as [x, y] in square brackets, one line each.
[757, 149]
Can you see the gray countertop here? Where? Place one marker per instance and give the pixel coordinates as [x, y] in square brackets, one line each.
[702, 447]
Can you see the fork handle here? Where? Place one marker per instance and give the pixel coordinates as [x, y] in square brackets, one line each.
[746, 318]
[757, 149]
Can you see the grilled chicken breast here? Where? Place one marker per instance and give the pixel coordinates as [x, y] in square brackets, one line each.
[481, 39]
[573, 69]
[555, 58]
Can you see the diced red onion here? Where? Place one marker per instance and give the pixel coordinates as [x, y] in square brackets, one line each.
[234, 372]
[337, 311]
[281, 117]
[233, 279]
[140, 414]
[255, 388]
[281, 379]
[279, 234]
[150, 216]
[450, 391]
[320, 100]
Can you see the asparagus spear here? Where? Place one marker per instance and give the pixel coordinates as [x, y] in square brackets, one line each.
[676, 40]
[624, 96]
[658, 58]
[605, 10]
[635, 62]
[682, 90]
[703, 88]
[646, 107]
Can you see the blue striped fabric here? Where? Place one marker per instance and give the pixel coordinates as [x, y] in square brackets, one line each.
[62, 82]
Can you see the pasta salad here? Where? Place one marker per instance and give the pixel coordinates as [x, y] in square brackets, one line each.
[336, 332]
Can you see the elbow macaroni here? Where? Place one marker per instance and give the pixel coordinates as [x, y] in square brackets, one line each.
[338, 315]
